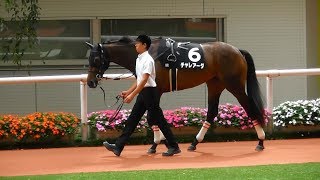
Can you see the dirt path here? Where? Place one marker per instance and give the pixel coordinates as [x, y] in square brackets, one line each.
[96, 159]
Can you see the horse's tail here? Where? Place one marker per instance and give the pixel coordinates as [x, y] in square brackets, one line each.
[253, 90]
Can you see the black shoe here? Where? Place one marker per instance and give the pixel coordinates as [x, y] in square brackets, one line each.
[192, 148]
[112, 147]
[151, 151]
[153, 148]
[171, 152]
[165, 142]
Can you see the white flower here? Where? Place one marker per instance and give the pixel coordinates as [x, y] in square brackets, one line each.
[294, 122]
[304, 112]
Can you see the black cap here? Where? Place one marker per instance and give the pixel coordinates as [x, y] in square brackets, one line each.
[144, 39]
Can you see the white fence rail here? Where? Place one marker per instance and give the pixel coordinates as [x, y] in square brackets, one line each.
[269, 74]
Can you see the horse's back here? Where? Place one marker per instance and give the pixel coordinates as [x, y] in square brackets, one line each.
[220, 47]
[225, 59]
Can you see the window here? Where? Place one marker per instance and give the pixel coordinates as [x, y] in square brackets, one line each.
[61, 40]
[181, 29]
[58, 39]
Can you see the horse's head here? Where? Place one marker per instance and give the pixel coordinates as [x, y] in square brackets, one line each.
[121, 52]
[98, 64]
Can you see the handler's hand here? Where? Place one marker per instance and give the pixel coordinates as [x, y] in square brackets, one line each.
[124, 94]
[128, 99]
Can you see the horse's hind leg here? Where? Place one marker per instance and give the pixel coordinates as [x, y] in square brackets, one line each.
[246, 103]
[214, 91]
[157, 138]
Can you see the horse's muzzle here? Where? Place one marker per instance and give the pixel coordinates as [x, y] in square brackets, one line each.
[92, 83]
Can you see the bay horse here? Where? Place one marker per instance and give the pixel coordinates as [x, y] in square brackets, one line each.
[226, 67]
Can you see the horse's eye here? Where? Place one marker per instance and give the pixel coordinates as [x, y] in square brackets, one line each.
[96, 60]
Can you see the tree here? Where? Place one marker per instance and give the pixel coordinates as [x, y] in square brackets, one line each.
[17, 28]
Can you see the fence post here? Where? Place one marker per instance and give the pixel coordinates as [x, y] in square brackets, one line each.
[84, 111]
[269, 92]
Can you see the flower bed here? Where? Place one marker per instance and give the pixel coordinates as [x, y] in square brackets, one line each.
[38, 126]
[297, 113]
[101, 121]
[228, 116]
[235, 116]
[42, 126]
[185, 116]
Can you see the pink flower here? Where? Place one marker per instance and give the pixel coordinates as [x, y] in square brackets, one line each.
[244, 127]
[236, 108]
[223, 116]
[228, 115]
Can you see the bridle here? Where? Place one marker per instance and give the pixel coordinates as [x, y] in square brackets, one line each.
[103, 59]
[102, 66]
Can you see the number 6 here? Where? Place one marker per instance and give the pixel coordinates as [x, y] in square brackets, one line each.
[193, 53]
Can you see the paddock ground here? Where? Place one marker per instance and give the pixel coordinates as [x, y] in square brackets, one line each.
[134, 157]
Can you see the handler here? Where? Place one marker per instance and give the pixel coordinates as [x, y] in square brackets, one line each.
[148, 99]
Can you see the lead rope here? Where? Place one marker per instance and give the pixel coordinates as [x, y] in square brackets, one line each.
[104, 98]
[117, 97]
[113, 117]
[115, 114]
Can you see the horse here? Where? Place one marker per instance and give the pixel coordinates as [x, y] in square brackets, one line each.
[226, 68]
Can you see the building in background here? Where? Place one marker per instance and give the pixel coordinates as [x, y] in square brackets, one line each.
[280, 34]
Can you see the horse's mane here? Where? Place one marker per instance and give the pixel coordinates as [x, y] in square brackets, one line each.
[126, 40]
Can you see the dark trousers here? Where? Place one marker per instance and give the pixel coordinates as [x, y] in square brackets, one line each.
[148, 99]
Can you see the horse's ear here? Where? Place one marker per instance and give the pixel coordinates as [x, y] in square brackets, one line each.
[99, 46]
[89, 45]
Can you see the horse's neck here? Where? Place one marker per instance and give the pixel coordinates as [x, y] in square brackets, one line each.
[125, 57]
[158, 47]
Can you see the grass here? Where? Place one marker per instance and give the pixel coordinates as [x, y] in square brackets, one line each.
[287, 171]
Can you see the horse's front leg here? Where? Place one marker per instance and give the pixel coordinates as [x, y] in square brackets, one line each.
[200, 136]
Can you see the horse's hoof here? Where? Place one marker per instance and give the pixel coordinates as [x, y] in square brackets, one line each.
[192, 148]
[259, 148]
[151, 151]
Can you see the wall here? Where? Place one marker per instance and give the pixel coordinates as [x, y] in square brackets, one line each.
[274, 31]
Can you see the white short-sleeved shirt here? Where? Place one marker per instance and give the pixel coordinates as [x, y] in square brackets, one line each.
[145, 64]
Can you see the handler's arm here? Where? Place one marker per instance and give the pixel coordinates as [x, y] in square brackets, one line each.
[133, 87]
[139, 87]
